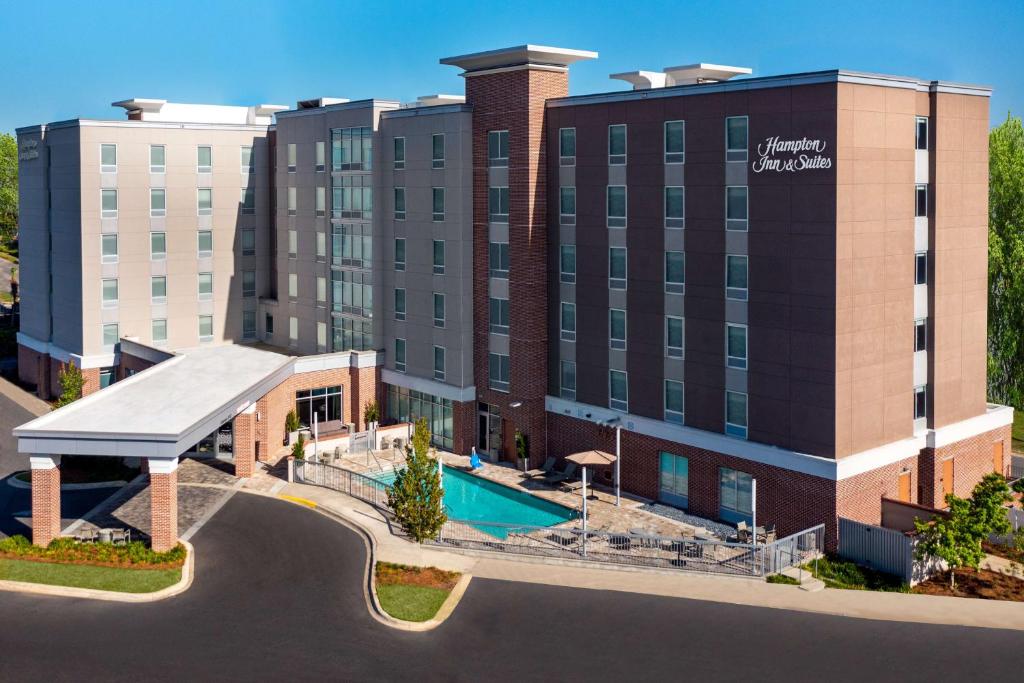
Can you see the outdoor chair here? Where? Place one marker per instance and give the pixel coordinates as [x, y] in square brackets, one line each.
[556, 477]
[742, 533]
[543, 470]
[576, 485]
[120, 536]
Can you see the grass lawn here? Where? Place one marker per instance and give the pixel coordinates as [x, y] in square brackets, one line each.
[839, 573]
[1017, 442]
[87, 576]
[783, 579]
[413, 593]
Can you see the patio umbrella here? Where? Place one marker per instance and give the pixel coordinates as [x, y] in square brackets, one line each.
[584, 459]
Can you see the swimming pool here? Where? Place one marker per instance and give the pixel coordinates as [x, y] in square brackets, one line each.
[471, 498]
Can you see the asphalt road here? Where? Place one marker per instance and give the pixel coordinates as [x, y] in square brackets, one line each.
[278, 595]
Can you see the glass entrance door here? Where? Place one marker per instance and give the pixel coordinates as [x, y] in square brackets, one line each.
[488, 432]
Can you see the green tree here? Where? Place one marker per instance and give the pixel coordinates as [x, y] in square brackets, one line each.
[988, 505]
[1006, 263]
[71, 384]
[371, 412]
[8, 188]
[416, 497]
[955, 538]
[299, 448]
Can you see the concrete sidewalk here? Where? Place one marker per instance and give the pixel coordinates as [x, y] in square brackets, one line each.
[726, 589]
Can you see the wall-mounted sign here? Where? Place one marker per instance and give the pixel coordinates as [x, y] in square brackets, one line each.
[790, 156]
[27, 150]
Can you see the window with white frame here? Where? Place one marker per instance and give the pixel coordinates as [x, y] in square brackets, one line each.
[498, 370]
[248, 324]
[568, 321]
[158, 289]
[616, 144]
[321, 246]
[293, 330]
[248, 283]
[673, 401]
[437, 193]
[567, 263]
[736, 207]
[320, 164]
[921, 335]
[109, 290]
[108, 203]
[618, 391]
[675, 142]
[437, 150]
[498, 259]
[567, 380]
[675, 207]
[736, 138]
[293, 243]
[108, 248]
[616, 267]
[293, 285]
[567, 146]
[204, 159]
[400, 355]
[248, 242]
[438, 309]
[204, 243]
[108, 158]
[157, 246]
[567, 205]
[673, 336]
[616, 206]
[159, 330]
[497, 204]
[205, 286]
[399, 203]
[321, 290]
[921, 133]
[439, 364]
[920, 201]
[399, 153]
[399, 253]
[321, 201]
[497, 148]
[616, 329]
[736, 346]
[245, 159]
[735, 496]
[111, 335]
[292, 201]
[399, 303]
[438, 257]
[736, 414]
[736, 277]
[157, 202]
[157, 159]
[321, 336]
[675, 272]
[499, 314]
[205, 328]
[292, 154]
[204, 201]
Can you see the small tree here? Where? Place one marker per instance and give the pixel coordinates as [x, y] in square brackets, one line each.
[291, 422]
[71, 384]
[299, 448]
[522, 448]
[371, 412]
[988, 505]
[416, 496]
[955, 538]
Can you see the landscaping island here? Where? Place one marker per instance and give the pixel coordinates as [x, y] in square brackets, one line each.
[413, 593]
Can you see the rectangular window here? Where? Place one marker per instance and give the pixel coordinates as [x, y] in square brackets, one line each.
[399, 303]
[205, 328]
[111, 335]
[291, 157]
[438, 309]
[920, 402]
[568, 322]
[617, 144]
[438, 257]
[567, 263]
[498, 371]
[736, 277]
[108, 158]
[673, 337]
[293, 285]
[618, 391]
[567, 146]
[248, 200]
[736, 138]
[399, 203]
[921, 130]
[157, 159]
[675, 142]
[497, 204]
[293, 243]
[204, 159]
[248, 242]
[736, 414]
[735, 496]
[399, 253]
[498, 259]
[248, 324]
[108, 203]
[673, 401]
[921, 268]
[616, 267]
[439, 363]
[321, 246]
[437, 147]
[920, 335]
[157, 202]
[321, 156]
[400, 355]
[352, 149]
[674, 479]
[245, 160]
[321, 290]
[158, 246]
[567, 380]
[204, 243]
[921, 201]
[438, 203]
[616, 206]
[675, 207]
[159, 330]
[321, 336]
[293, 330]
[292, 201]
[499, 313]
[205, 286]
[675, 272]
[268, 325]
[736, 208]
[248, 283]
[110, 293]
[321, 201]
[158, 289]
[108, 248]
[736, 346]
[616, 329]
[204, 201]
[399, 153]
[497, 148]
[567, 205]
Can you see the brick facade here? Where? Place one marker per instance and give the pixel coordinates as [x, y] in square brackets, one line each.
[129, 363]
[972, 460]
[464, 418]
[45, 505]
[243, 442]
[163, 489]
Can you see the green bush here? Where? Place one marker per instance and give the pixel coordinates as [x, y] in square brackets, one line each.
[68, 550]
[783, 579]
[299, 448]
[836, 572]
[291, 422]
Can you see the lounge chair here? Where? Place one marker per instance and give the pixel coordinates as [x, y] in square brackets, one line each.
[577, 484]
[557, 477]
[742, 533]
[543, 471]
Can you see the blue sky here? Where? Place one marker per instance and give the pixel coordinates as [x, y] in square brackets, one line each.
[68, 59]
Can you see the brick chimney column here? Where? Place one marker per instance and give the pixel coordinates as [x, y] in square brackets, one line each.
[45, 499]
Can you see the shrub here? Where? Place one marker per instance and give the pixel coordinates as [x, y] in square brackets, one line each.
[291, 422]
[371, 412]
[71, 384]
[299, 448]
[71, 551]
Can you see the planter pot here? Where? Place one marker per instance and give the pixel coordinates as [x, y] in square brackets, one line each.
[292, 438]
[525, 462]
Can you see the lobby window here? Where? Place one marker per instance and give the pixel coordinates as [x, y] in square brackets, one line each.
[736, 138]
[499, 313]
[399, 203]
[735, 495]
[399, 303]
[673, 337]
[498, 260]
[736, 346]
[616, 329]
[438, 309]
[293, 331]
[248, 242]
[158, 289]
[567, 380]
[497, 148]
[616, 206]
[291, 157]
[921, 201]
[438, 203]
[399, 153]
[205, 286]
[204, 243]
[673, 401]
[400, 355]
[674, 479]
[320, 163]
[399, 253]
[497, 204]
[204, 201]
[245, 160]
[675, 272]
[618, 391]
[567, 205]
[568, 322]
[920, 335]
[248, 200]
[321, 246]
[736, 277]
[108, 248]
[920, 402]
[921, 268]
[498, 370]
[439, 363]
[617, 144]
[157, 159]
[616, 267]
[736, 414]
[293, 285]
[437, 150]
[108, 203]
[204, 159]
[567, 264]
[248, 324]
[157, 246]
[321, 291]
[322, 402]
[248, 283]
[321, 201]
[109, 290]
[293, 243]
[159, 330]
[567, 146]
[438, 257]
[292, 201]
[675, 142]
[157, 202]
[675, 207]
[108, 158]
[111, 335]
[205, 328]
[736, 207]
[921, 133]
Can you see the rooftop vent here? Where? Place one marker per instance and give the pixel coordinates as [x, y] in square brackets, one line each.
[319, 102]
[680, 75]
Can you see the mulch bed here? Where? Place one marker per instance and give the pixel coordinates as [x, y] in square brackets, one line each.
[93, 563]
[1004, 551]
[429, 577]
[983, 584]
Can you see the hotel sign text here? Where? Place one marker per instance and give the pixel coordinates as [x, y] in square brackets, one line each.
[781, 156]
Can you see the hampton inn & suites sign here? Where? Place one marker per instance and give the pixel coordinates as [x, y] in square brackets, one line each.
[790, 156]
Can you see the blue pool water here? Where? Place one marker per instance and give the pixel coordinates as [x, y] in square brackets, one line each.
[471, 498]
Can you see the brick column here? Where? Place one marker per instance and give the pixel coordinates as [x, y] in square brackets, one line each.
[244, 443]
[45, 499]
[163, 490]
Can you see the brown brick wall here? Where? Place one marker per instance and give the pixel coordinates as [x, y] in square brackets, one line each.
[244, 444]
[133, 363]
[464, 417]
[163, 489]
[45, 506]
[860, 497]
[972, 460]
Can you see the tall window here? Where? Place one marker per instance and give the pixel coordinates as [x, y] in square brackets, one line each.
[567, 146]
[293, 330]
[159, 330]
[204, 159]
[439, 370]
[567, 205]
[616, 206]
[498, 370]
[293, 243]
[736, 207]
[291, 157]
[248, 324]
[108, 248]
[499, 315]
[205, 328]
[292, 201]
[616, 328]
[157, 159]
[293, 285]
[920, 335]
[498, 259]
[109, 290]
[674, 479]
[438, 203]
[920, 402]
[157, 246]
[248, 198]
[438, 309]
[400, 355]
[437, 150]
[108, 158]
[245, 159]
[673, 401]
[675, 142]
[568, 321]
[736, 346]
[616, 267]
[673, 337]
[736, 277]
[567, 380]
[399, 203]
[399, 303]
[497, 204]
[618, 391]
[321, 290]
[320, 163]
[324, 403]
[921, 201]
[675, 207]
[157, 202]
[321, 201]
[497, 148]
[736, 414]
[399, 153]
[399, 253]
[921, 133]
[736, 138]
[617, 144]
[248, 283]
[204, 243]
[735, 495]
[158, 289]
[205, 286]
[567, 263]
[108, 203]
[438, 257]
[204, 201]
[111, 335]
[921, 268]
[675, 272]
